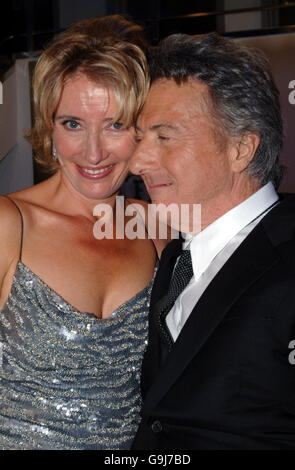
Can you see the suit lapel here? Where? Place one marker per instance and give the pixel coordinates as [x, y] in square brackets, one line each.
[251, 260]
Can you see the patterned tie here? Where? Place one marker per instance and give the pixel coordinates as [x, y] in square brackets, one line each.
[183, 273]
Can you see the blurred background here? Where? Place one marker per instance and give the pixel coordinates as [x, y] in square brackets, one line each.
[28, 25]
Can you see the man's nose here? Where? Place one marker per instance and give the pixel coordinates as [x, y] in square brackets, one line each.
[143, 159]
[96, 149]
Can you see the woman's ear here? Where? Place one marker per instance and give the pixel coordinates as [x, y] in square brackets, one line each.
[243, 150]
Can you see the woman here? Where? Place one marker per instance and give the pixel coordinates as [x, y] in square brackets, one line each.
[73, 308]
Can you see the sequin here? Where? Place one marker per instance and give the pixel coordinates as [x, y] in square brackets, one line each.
[68, 380]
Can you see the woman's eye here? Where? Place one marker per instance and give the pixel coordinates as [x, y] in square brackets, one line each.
[117, 126]
[71, 124]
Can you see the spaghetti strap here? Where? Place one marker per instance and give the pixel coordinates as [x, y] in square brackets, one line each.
[22, 225]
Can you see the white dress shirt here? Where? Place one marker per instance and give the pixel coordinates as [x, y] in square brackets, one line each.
[213, 246]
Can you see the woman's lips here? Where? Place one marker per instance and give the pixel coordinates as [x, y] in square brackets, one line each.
[95, 173]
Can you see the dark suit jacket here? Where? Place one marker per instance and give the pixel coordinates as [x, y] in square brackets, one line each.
[228, 383]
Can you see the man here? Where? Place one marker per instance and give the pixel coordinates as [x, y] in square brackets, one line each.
[217, 374]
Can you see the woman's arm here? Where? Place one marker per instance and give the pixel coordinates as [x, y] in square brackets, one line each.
[10, 243]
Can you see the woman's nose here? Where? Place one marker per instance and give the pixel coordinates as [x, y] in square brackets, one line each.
[96, 149]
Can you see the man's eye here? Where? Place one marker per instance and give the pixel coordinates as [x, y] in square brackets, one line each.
[117, 126]
[163, 137]
[71, 124]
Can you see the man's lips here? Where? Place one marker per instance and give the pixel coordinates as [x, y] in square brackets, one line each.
[153, 186]
[95, 173]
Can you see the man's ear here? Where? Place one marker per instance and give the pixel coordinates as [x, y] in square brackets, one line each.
[243, 150]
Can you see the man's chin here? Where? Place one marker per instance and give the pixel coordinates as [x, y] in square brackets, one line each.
[185, 218]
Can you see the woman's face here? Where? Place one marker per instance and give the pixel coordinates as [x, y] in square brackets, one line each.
[93, 153]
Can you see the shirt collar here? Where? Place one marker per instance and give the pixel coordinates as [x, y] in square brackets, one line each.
[209, 242]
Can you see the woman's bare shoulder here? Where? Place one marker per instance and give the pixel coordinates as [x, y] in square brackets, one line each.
[33, 197]
[12, 209]
[29, 195]
[9, 214]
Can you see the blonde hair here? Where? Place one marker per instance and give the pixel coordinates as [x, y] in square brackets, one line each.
[110, 52]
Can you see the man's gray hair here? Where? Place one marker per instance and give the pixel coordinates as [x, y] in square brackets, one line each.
[244, 95]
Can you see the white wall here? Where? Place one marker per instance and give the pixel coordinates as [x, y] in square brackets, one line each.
[242, 21]
[16, 164]
[280, 50]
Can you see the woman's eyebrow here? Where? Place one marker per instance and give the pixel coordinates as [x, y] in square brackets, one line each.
[67, 116]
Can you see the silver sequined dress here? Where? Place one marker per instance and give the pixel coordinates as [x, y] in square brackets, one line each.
[68, 380]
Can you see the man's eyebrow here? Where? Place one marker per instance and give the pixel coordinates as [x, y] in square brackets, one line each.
[162, 125]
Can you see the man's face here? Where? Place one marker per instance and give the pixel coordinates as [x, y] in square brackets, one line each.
[180, 155]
